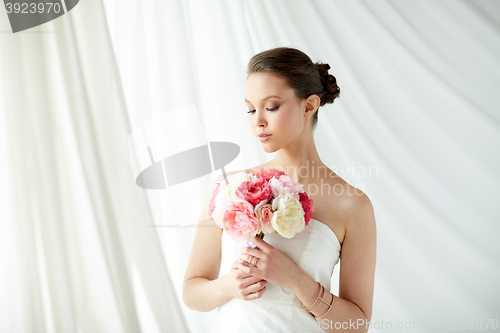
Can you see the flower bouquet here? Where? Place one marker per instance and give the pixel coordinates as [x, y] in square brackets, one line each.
[259, 203]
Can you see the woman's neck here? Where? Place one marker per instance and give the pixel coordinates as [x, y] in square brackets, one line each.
[298, 160]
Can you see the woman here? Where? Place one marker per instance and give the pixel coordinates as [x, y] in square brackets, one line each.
[284, 285]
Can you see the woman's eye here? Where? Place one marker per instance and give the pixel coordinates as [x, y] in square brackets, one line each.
[268, 109]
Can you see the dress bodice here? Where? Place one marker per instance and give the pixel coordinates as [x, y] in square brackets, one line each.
[316, 250]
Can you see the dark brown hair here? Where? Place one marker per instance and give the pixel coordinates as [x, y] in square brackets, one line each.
[300, 73]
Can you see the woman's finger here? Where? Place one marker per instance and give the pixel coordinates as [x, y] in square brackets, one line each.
[255, 287]
[236, 264]
[248, 281]
[247, 258]
[256, 295]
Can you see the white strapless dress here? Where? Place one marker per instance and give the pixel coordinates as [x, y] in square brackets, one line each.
[316, 250]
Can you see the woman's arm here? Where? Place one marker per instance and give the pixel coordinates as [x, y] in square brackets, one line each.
[352, 309]
[202, 290]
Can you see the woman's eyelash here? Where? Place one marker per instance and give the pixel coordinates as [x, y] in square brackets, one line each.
[270, 109]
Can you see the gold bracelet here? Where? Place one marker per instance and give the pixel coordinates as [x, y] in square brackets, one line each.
[329, 306]
[315, 299]
[320, 297]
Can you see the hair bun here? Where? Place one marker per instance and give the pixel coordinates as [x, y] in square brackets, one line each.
[330, 88]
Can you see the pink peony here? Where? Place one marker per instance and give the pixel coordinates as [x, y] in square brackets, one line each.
[264, 214]
[239, 220]
[284, 185]
[211, 205]
[268, 174]
[288, 182]
[307, 205]
[254, 191]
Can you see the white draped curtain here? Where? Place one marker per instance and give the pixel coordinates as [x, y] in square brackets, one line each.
[416, 127]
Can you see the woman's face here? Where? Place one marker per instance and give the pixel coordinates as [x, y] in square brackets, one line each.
[280, 115]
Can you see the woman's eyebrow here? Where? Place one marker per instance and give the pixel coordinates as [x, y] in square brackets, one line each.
[266, 98]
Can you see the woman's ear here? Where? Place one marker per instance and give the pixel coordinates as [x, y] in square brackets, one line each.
[311, 105]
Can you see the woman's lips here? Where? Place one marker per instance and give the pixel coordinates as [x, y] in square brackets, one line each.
[264, 137]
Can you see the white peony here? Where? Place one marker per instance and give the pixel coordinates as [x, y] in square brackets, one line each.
[288, 216]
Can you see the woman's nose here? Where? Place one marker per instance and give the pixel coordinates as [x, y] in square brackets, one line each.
[260, 119]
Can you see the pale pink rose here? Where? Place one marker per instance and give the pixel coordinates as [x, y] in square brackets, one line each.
[284, 185]
[254, 191]
[264, 213]
[239, 220]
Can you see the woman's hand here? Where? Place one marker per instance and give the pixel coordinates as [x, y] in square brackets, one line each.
[272, 266]
[243, 285]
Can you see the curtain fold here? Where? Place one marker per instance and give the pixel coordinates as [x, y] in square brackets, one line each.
[78, 251]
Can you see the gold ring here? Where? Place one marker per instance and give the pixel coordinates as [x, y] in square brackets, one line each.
[253, 261]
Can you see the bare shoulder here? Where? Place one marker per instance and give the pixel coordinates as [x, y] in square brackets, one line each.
[340, 205]
[356, 207]
[360, 211]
